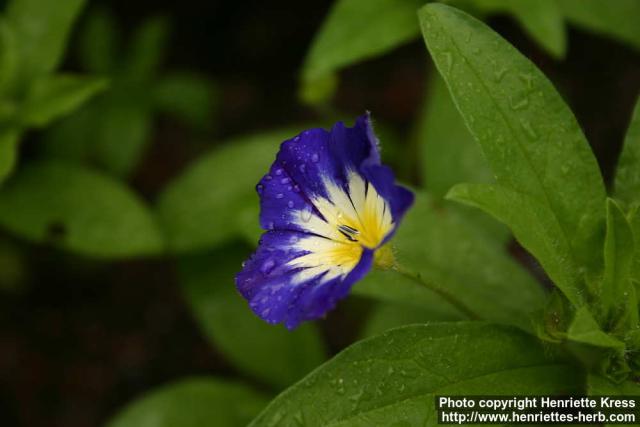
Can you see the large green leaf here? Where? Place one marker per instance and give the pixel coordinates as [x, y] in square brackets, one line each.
[54, 96]
[542, 19]
[356, 30]
[617, 295]
[270, 353]
[41, 29]
[533, 226]
[393, 379]
[438, 248]
[193, 402]
[79, 210]
[529, 136]
[202, 207]
[617, 18]
[627, 181]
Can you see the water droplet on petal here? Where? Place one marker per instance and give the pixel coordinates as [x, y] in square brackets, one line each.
[290, 203]
[260, 187]
[315, 157]
[296, 188]
[285, 181]
[279, 196]
[305, 214]
[267, 266]
[268, 177]
[278, 172]
[303, 167]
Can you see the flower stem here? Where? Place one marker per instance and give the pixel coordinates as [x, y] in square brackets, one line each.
[459, 305]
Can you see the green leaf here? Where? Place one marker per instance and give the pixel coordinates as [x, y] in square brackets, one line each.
[201, 207]
[8, 152]
[600, 386]
[8, 56]
[267, 352]
[192, 402]
[147, 49]
[385, 316]
[99, 42]
[79, 210]
[528, 135]
[389, 286]
[617, 295]
[356, 30]
[535, 228]
[634, 221]
[392, 379]
[55, 96]
[438, 246]
[542, 19]
[618, 19]
[627, 180]
[585, 329]
[41, 29]
[187, 96]
[449, 154]
[121, 134]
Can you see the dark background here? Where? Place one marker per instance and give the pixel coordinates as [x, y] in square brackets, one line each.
[80, 338]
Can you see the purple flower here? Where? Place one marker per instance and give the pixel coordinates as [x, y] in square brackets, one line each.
[327, 204]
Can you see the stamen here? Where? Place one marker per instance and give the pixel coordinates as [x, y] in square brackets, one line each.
[348, 232]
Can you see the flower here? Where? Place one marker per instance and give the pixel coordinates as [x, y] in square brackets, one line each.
[328, 205]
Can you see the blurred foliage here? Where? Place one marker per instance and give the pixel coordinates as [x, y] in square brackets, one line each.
[193, 403]
[272, 354]
[33, 37]
[114, 130]
[533, 171]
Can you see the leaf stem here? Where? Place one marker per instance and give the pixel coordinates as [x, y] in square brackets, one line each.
[459, 305]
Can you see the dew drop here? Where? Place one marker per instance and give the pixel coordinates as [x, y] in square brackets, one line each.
[270, 225]
[266, 312]
[528, 129]
[260, 188]
[448, 61]
[278, 172]
[303, 167]
[290, 203]
[267, 266]
[305, 214]
[518, 104]
[268, 177]
[315, 157]
[285, 181]
[279, 196]
[296, 188]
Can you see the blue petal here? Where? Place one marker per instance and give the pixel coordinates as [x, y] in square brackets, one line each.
[304, 161]
[266, 281]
